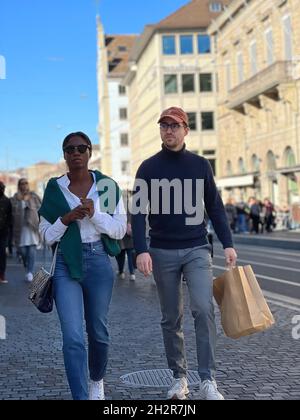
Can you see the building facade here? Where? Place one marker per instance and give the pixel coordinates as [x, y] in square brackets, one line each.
[113, 53]
[172, 65]
[258, 62]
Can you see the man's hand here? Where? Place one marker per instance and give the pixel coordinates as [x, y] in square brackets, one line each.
[89, 205]
[144, 263]
[231, 257]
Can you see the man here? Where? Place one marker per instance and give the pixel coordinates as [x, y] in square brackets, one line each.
[179, 247]
[25, 205]
[5, 225]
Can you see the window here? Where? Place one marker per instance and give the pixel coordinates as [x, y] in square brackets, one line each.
[213, 165]
[253, 57]
[208, 152]
[215, 7]
[203, 44]
[169, 46]
[186, 44]
[123, 113]
[122, 48]
[170, 81]
[192, 120]
[288, 41]
[207, 120]
[240, 63]
[229, 168]
[188, 83]
[206, 82]
[255, 163]
[122, 90]
[228, 76]
[269, 46]
[124, 139]
[125, 167]
[241, 166]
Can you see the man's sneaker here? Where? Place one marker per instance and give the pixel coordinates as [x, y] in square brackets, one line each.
[209, 391]
[29, 277]
[179, 389]
[132, 277]
[96, 391]
[121, 276]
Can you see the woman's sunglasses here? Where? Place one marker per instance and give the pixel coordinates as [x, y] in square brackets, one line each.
[82, 148]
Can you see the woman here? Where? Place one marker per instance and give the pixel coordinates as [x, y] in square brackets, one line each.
[72, 215]
[25, 205]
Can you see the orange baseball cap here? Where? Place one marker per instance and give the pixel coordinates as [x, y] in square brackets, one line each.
[177, 114]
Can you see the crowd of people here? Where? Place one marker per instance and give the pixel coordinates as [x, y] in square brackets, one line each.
[256, 216]
[19, 227]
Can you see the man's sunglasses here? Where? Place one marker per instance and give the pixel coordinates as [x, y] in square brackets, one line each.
[82, 148]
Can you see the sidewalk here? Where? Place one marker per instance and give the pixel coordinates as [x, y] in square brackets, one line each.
[262, 366]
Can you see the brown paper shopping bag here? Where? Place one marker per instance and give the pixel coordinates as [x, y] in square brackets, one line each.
[243, 307]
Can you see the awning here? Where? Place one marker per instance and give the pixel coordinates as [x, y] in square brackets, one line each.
[289, 170]
[236, 181]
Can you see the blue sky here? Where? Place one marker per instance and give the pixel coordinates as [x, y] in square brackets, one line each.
[50, 86]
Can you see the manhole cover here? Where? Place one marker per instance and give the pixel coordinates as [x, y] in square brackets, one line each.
[158, 378]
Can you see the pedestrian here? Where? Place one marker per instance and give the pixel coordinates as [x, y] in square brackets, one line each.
[269, 215]
[231, 213]
[25, 205]
[126, 245]
[179, 247]
[73, 219]
[255, 210]
[5, 226]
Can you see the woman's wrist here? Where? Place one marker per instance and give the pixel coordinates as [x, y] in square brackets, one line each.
[65, 220]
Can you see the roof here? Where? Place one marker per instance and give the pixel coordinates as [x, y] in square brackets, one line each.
[194, 15]
[118, 50]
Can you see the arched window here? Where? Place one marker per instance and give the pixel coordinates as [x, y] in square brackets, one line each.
[241, 166]
[290, 159]
[229, 168]
[271, 161]
[255, 162]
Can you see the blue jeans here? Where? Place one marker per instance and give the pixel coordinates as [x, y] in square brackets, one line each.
[196, 265]
[28, 254]
[89, 300]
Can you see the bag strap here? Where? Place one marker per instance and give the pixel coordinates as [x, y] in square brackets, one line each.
[52, 268]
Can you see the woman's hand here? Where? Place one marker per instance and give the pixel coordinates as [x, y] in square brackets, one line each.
[88, 204]
[79, 213]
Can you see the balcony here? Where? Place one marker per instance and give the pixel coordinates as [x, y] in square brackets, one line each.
[263, 83]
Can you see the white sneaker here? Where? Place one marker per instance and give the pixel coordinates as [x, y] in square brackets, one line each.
[29, 277]
[209, 391]
[122, 276]
[132, 277]
[178, 390]
[96, 391]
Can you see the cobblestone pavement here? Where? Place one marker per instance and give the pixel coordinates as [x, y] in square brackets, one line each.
[262, 366]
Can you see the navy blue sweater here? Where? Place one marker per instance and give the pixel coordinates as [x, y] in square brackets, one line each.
[170, 231]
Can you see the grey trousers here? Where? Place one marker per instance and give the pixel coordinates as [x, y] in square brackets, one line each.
[195, 264]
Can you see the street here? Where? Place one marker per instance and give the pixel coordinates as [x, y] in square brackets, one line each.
[262, 366]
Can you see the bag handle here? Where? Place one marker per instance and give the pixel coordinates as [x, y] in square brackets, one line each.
[53, 264]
